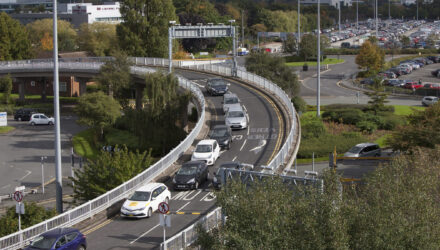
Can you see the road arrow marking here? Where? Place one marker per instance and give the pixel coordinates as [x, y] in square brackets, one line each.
[259, 147]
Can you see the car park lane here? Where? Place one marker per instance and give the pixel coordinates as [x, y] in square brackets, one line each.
[254, 145]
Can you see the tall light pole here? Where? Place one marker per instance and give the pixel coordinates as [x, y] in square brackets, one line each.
[242, 29]
[389, 9]
[318, 83]
[377, 28]
[234, 48]
[56, 102]
[417, 2]
[299, 26]
[170, 47]
[357, 14]
[339, 16]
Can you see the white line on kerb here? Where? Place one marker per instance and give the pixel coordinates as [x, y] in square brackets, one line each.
[242, 146]
[183, 206]
[233, 159]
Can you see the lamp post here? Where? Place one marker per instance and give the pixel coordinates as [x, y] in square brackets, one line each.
[42, 172]
[234, 49]
[357, 14]
[377, 28]
[389, 9]
[318, 83]
[339, 16]
[417, 2]
[170, 47]
[299, 26]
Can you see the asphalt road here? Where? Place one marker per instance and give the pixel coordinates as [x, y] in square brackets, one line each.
[254, 145]
[21, 151]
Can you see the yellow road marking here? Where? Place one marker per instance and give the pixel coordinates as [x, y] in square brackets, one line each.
[91, 230]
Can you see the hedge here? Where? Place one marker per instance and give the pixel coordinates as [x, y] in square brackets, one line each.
[323, 145]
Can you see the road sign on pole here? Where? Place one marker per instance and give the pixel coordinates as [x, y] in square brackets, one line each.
[164, 208]
[18, 196]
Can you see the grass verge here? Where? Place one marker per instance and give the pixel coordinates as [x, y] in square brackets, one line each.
[6, 129]
[406, 110]
[84, 145]
[326, 61]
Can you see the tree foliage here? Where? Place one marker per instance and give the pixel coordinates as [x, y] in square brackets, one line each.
[378, 97]
[99, 39]
[6, 87]
[97, 110]
[370, 57]
[274, 69]
[421, 130]
[144, 31]
[309, 45]
[108, 171]
[395, 208]
[34, 214]
[290, 44]
[42, 30]
[14, 39]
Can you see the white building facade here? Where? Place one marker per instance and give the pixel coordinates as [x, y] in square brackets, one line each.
[333, 3]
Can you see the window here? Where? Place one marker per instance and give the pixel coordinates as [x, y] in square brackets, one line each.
[63, 87]
[70, 237]
[61, 241]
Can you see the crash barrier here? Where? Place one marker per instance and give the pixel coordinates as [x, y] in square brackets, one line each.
[189, 235]
[99, 204]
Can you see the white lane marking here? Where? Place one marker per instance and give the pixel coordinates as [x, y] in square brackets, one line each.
[142, 235]
[248, 128]
[151, 229]
[258, 148]
[233, 159]
[208, 197]
[186, 198]
[26, 175]
[180, 195]
[245, 109]
[184, 206]
[201, 86]
[242, 146]
[6, 186]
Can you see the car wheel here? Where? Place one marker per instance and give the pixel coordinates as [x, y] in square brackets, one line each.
[33, 123]
[50, 123]
[150, 212]
[196, 186]
[19, 119]
[229, 145]
[81, 247]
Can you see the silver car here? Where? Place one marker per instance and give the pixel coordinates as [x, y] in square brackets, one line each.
[429, 100]
[236, 118]
[364, 150]
[230, 99]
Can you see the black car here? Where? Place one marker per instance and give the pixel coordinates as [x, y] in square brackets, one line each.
[190, 175]
[24, 114]
[216, 86]
[223, 135]
[435, 59]
[436, 73]
[216, 182]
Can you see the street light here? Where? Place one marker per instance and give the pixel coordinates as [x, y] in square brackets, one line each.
[299, 26]
[318, 83]
[42, 172]
[377, 28]
[170, 46]
[234, 49]
[339, 17]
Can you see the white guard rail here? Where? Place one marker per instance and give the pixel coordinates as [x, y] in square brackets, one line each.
[90, 208]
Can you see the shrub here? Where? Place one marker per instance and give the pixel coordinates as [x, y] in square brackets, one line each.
[346, 116]
[390, 122]
[299, 104]
[93, 88]
[193, 116]
[367, 126]
[346, 106]
[312, 127]
[325, 144]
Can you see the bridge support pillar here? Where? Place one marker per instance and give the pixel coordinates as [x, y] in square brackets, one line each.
[139, 96]
[43, 91]
[82, 85]
[21, 90]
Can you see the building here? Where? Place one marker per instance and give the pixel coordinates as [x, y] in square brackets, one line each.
[75, 13]
[407, 2]
[333, 3]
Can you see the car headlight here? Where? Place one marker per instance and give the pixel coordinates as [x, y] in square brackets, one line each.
[228, 122]
[191, 181]
[226, 141]
[174, 179]
[243, 123]
[210, 155]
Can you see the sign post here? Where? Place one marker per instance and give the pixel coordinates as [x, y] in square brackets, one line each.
[165, 221]
[19, 208]
[3, 119]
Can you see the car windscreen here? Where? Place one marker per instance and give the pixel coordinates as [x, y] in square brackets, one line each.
[235, 114]
[187, 170]
[355, 149]
[231, 100]
[218, 132]
[217, 83]
[140, 196]
[203, 148]
[42, 242]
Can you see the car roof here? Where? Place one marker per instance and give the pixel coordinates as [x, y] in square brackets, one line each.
[206, 142]
[59, 231]
[38, 114]
[366, 144]
[235, 108]
[149, 187]
[193, 163]
[230, 94]
[430, 97]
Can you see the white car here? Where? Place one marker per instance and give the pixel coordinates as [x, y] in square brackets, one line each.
[236, 118]
[145, 200]
[207, 151]
[39, 118]
[429, 100]
[229, 100]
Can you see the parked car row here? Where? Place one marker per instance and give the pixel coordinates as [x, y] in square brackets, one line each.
[33, 117]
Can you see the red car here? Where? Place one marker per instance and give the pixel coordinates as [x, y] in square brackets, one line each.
[432, 86]
[413, 85]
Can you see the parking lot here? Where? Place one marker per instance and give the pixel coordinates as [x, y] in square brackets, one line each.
[423, 74]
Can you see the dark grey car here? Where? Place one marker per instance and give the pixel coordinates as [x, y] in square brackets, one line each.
[190, 175]
[223, 135]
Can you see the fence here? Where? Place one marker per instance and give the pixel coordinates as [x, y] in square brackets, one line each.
[90, 208]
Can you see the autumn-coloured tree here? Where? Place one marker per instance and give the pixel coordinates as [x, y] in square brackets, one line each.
[47, 41]
[370, 57]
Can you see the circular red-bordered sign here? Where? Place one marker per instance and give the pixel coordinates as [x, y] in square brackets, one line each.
[18, 196]
[163, 208]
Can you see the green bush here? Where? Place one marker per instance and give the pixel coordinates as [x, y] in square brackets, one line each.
[312, 127]
[391, 121]
[367, 126]
[299, 104]
[121, 137]
[193, 116]
[93, 88]
[346, 116]
[346, 106]
[325, 144]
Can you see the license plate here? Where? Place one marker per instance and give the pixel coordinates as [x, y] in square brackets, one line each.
[130, 215]
[181, 186]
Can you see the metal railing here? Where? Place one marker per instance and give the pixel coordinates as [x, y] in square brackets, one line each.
[90, 208]
[189, 235]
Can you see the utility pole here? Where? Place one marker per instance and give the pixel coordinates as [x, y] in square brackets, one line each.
[299, 26]
[242, 29]
[56, 102]
[318, 83]
[357, 14]
[389, 9]
[417, 2]
[339, 16]
[377, 28]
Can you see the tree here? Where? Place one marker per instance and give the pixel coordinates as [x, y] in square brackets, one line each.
[144, 31]
[99, 39]
[6, 86]
[421, 131]
[14, 41]
[42, 31]
[274, 69]
[114, 76]
[373, 39]
[97, 110]
[309, 45]
[370, 57]
[34, 215]
[406, 42]
[108, 171]
[160, 90]
[290, 44]
[378, 97]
